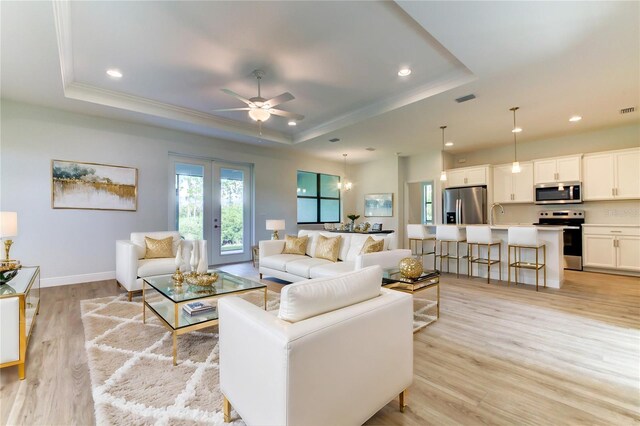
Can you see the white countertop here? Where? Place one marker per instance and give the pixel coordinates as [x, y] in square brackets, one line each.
[504, 227]
[600, 225]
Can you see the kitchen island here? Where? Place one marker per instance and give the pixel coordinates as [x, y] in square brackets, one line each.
[550, 235]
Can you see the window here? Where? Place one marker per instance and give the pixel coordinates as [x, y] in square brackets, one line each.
[427, 201]
[190, 201]
[318, 198]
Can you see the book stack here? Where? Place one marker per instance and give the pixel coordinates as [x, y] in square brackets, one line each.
[195, 308]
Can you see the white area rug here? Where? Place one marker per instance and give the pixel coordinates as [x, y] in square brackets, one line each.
[133, 379]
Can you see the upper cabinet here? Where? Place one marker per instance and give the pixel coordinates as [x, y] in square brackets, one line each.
[558, 169]
[613, 175]
[468, 176]
[511, 187]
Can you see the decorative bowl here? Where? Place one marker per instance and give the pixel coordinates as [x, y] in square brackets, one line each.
[7, 275]
[410, 267]
[202, 280]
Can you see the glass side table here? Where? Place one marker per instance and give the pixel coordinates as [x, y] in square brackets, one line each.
[19, 305]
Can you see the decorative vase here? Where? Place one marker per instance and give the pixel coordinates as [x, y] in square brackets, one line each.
[410, 268]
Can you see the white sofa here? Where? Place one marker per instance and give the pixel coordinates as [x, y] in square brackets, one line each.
[344, 352]
[293, 267]
[132, 267]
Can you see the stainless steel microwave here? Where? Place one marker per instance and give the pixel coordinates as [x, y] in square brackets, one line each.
[558, 193]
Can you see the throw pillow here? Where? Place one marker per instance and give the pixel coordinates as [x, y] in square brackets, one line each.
[158, 248]
[372, 246]
[295, 245]
[327, 248]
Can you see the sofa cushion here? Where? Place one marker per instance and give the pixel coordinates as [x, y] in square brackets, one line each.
[357, 243]
[137, 238]
[307, 299]
[331, 269]
[327, 248]
[372, 246]
[295, 245]
[279, 261]
[302, 267]
[156, 249]
[150, 267]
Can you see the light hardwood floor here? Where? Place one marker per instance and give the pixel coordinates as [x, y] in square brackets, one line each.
[498, 355]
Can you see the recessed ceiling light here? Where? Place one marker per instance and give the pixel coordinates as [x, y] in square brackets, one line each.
[575, 118]
[114, 73]
[292, 123]
[516, 130]
[448, 143]
[404, 72]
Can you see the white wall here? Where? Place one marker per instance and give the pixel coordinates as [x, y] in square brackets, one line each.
[600, 140]
[79, 245]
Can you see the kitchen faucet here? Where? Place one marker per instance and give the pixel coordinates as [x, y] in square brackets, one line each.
[493, 206]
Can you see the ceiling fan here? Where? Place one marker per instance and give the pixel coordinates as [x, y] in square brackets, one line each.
[260, 109]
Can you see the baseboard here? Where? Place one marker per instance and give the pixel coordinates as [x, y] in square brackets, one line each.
[77, 279]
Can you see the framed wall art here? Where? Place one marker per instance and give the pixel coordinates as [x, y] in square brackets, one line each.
[92, 186]
[378, 205]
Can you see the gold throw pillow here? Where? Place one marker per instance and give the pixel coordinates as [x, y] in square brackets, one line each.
[372, 246]
[295, 245]
[158, 248]
[327, 248]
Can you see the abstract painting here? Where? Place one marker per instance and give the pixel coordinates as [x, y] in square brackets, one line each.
[378, 205]
[92, 186]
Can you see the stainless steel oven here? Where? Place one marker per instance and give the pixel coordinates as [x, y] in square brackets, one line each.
[558, 193]
[571, 222]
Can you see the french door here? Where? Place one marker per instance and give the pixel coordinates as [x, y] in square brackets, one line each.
[211, 200]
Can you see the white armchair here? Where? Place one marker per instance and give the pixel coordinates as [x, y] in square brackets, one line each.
[334, 368]
[132, 267]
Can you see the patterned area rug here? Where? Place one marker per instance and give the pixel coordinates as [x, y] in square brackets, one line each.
[133, 379]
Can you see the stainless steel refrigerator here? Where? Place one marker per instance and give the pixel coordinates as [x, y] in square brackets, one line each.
[465, 205]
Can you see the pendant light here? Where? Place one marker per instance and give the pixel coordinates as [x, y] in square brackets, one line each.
[443, 173]
[515, 167]
[347, 185]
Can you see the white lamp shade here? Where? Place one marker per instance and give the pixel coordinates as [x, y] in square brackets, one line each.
[8, 224]
[275, 225]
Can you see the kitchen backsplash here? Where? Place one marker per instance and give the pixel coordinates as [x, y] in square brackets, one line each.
[596, 212]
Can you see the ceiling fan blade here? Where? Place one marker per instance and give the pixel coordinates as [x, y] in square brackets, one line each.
[235, 95]
[285, 97]
[286, 114]
[231, 109]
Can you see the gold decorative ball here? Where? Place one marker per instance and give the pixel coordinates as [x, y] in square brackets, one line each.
[410, 267]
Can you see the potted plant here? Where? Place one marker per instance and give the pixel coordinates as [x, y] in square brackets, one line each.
[353, 218]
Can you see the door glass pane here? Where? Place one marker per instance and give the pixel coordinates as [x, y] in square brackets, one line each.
[307, 184]
[307, 210]
[190, 201]
[231, 211]
[329, 211]
[329, 186]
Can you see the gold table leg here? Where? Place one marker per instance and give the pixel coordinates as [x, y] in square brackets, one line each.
[21, 371]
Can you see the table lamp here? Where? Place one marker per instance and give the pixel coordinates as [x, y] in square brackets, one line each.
[8, 229]
[275, 226]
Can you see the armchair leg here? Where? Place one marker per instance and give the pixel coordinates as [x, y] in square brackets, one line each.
[130, 293]
[260, 276]
[403, 400]
[226, 409]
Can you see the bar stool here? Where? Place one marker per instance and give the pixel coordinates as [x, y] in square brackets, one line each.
[417, 235]
[526, 237]
[480, 236]
[450, 234]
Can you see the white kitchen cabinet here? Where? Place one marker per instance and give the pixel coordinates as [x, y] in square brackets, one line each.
[558, 169]
[612, 175]
[468, 176]
[616, 248]
[628, 252]
[511, 187]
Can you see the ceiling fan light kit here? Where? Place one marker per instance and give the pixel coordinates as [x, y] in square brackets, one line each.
[261, 109]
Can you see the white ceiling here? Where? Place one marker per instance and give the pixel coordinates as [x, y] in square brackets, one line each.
[339, 59]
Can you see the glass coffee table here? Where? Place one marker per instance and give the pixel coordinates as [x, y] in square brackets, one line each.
[391, 278]
[165, 300]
